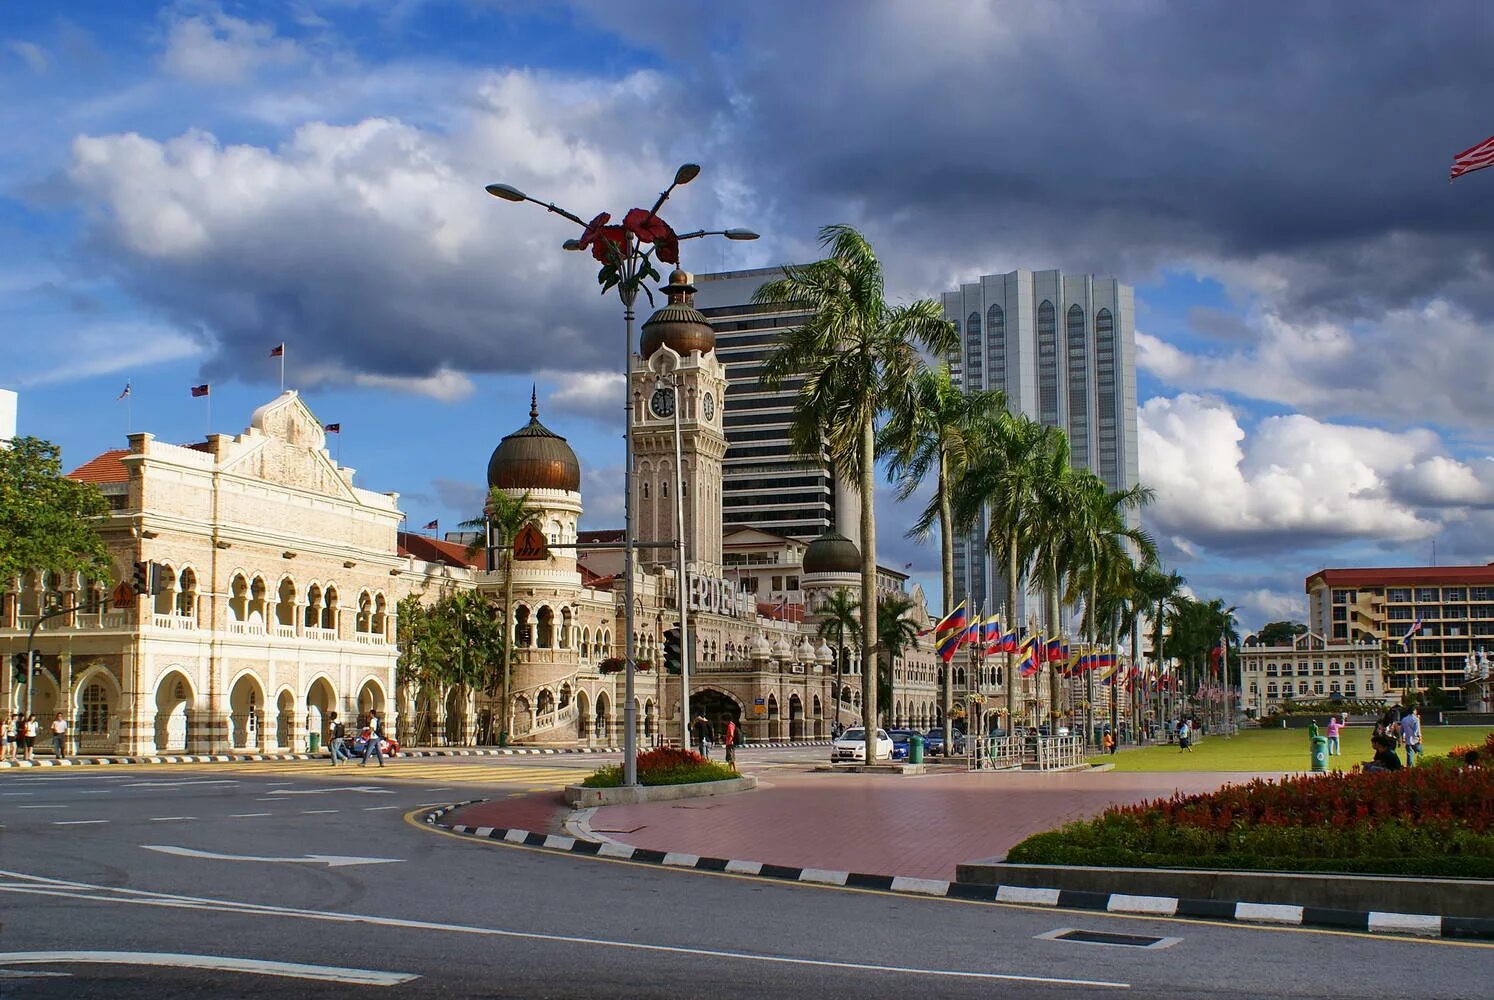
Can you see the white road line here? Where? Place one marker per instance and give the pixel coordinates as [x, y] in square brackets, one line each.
[178, 784]
[9, 794]
[247, 815]
[77, 822]
[330, 860]
[94, 791]
[432, 791]
[316, 812]
[43, 886]
[41, 807]
[290, 970]
[374, 809]
[169, 819]
[269, 800]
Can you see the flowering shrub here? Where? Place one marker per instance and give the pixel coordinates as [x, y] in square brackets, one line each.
[1485, 750]
[1424, 820]
[664, 766]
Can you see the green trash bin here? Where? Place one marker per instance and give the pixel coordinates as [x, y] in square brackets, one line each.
[1319, 753]
[313, 742]
[915, 749]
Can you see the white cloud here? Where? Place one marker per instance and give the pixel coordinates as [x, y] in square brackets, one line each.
[105, 348]
[594, 395]
[1294, 482]
[31, 54]
[1272, 605]
[214, 47]
[445, 385]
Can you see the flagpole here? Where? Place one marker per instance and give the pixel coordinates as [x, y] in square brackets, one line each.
[210, 411]
[282, 368]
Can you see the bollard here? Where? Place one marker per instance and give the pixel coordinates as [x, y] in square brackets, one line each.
[313, 742]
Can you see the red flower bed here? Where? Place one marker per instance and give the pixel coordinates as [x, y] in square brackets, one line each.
[667, 759]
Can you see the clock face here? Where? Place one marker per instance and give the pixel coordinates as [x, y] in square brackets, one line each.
[710, 406]
[662, 403]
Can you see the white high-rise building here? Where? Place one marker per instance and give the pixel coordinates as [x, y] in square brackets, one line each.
[7, 415]
[1063, 349]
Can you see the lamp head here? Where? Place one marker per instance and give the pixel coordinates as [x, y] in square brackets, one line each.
[686, 173]
[505, 191]
[571, 245]
[740, 234]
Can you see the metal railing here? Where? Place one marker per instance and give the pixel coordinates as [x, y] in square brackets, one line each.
[1054, 752]
[987, 753]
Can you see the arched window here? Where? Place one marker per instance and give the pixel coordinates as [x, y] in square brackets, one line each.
[523, 631]
[645, 490]
[313, 613]
[1047, 344]
[238, 598]
[996, 347]
[257, 601]
[285, 608]
[329, 609]
[974, 367]
[380, 623]
[1106, 388]
[1078, 367]
[93, 710]
[166, 599]
[363, 621]
[186, 600]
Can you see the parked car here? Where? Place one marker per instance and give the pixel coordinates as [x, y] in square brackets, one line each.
[1043, 730]
[901, 742]
[358, 744]
[852, 745]
[933, 742]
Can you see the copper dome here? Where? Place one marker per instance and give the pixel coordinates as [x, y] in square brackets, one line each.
[832, 552]
[534, 458]
[679, 324]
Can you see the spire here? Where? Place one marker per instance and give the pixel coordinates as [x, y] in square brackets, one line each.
[534, 409]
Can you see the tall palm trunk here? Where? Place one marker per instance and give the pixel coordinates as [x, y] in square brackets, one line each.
[509, 640]
[869, 588]
[1012, 576]
[946, 570]
[1055, 614]
[1136, 693]
[1089, 674]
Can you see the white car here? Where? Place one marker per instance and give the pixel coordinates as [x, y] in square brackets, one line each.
[852, 746]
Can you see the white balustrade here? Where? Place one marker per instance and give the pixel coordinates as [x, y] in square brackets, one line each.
[369, 638]
[283, 631]
[320, 634]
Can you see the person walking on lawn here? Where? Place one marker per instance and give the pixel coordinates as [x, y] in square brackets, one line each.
[1411, 735]
[1334, 726]
[371, 747]
[1185, 737]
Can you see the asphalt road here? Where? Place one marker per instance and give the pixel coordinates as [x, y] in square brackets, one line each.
[174, 881]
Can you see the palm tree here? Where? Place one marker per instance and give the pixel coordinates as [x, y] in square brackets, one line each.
[853, 357]
[1003, 478]
[504, 516]
[1053, 532]
[938, 428]
[1162, 592]
[841, 618]
[896, 634]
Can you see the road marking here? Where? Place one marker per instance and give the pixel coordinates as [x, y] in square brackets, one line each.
[252, 966]
[77, 822]
[374, 809]
[432, 791]
[94, 791]
[330, 860]
[41, 807]
[178, 784]
[247, 815]
[365, 789]
[169, 819]
[40, 885]
[316, 812]
[8, 794]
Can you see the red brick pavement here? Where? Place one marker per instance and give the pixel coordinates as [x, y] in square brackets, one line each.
[885, 824]
[540, 812]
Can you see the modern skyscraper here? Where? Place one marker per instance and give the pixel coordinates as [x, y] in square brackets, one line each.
[1063, 349]
[765, 484]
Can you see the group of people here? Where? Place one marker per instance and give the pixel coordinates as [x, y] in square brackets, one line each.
[372, 735]
[1186, 730]
[1397, 727]
[704, 734]
[18, 737]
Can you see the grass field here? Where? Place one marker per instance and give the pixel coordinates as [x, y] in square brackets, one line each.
[1276, 750]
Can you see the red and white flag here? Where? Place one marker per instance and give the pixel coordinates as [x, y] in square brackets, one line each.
[278, 351]
[200, 390]
[431, 526]
[1473, 158]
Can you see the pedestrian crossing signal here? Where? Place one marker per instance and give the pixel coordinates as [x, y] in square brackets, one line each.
[673, 652]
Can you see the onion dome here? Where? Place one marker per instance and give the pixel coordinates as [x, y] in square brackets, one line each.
[806, 651]
[760, 648]
[823, 655]
[781, 649]
[832, 552]
[678, 324]
[534, 458]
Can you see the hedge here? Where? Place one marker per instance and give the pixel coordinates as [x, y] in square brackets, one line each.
[664, 766]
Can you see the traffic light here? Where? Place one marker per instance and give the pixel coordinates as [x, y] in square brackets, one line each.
[18, 668]
[140, 583]
[672, 650]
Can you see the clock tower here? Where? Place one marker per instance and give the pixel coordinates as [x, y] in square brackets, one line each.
[677, 368]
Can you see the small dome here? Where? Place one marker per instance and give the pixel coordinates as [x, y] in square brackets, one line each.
[781, 649]
[760, 648]
[823, 655]
[534, 458]
[806, 651]
[679, 324]
[832, 552]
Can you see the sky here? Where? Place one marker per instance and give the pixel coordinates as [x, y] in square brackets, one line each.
[187, 184]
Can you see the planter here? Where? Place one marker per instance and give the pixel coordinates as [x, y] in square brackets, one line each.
[581, 797]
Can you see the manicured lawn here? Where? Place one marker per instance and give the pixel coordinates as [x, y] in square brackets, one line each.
[1276, 750]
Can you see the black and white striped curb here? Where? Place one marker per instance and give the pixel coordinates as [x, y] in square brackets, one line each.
[225, 758]
[1277, 914]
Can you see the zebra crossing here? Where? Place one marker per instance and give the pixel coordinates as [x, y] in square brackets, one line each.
[489, 772]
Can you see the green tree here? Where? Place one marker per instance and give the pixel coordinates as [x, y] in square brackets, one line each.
[852, 358]
[938, 429]
[47, 521]
[504, 516]
[840, 619]
[896, 635]
[1282, 633]
[1162, 592]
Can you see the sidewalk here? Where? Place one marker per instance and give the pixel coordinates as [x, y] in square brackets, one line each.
[85, 760]
[918, 827]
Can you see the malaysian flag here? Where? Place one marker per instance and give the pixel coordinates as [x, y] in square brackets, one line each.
[278, 351]
[200, 390]
[125, 393]
[431, 526]
[1473, 158]
[1406, 639]
[332, 428]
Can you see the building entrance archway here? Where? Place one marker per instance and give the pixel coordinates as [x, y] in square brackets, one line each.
[796, 717]
[718, 707]
[321, 702]
[173, 699]
[246, 702]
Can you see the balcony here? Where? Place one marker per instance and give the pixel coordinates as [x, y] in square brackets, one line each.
[178, 622]
[320, 634]
[369, 639]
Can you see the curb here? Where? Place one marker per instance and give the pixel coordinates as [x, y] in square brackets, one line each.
[1240, 911]
[226, 758]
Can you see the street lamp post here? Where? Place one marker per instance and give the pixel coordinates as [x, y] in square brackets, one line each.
[626, 266]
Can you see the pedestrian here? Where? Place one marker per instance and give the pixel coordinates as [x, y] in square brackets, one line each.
[339, 740]
[1385, 758]
[372, 735]
[1109, 741]
[29, 730]
[59, 737]
[1334, 726]
[1411, 734]
[701, 730]
[1185, 737]
[733, 736]
[7, 738]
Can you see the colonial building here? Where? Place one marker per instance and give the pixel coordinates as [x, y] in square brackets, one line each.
[280, 580]
[1309, 669]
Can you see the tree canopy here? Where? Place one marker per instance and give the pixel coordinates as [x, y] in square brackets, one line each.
[1280, 633]
[47, 521]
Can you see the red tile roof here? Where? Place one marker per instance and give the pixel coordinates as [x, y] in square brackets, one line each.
[604, 535]
[105, 468]
[435, 550]
[782, 613]
[1392, 576]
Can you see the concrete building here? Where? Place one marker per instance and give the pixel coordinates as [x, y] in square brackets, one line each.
[765, 484]
[7, 415]
[1063, 349]
[1311, 668]
[1454, 604]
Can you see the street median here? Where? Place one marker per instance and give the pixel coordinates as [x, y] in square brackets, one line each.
[582, 797]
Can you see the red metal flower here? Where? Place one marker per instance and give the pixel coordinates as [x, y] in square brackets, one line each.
[668, 249]
[647, 226]
[589, 234]
[611, 242]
